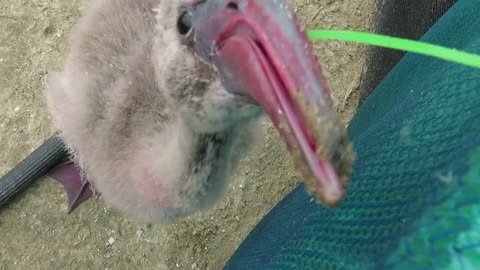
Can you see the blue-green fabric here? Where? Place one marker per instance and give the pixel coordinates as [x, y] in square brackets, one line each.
[414, 198]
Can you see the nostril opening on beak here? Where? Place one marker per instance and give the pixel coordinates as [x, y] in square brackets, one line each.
[232, 5]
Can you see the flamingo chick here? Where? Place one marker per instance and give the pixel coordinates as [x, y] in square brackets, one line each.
[159, 100]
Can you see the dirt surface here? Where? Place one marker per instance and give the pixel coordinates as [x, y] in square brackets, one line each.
[36, 232]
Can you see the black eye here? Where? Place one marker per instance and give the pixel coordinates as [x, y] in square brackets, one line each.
[184, 23]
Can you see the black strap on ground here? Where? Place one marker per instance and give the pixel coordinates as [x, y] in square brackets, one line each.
[36, 165]
[409, 19]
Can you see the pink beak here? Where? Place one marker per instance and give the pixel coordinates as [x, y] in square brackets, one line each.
[261, 52]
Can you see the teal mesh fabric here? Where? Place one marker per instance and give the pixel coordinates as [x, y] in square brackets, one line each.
[414, 198]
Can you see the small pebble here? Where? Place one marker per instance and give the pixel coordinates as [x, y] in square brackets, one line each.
[110, 241]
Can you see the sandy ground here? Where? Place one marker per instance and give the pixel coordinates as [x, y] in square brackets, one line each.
[36, 232]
